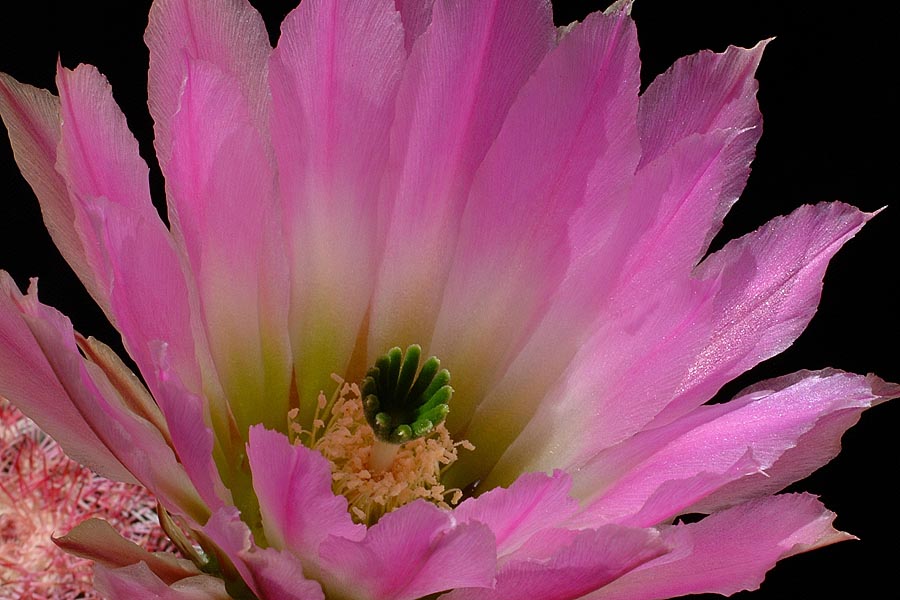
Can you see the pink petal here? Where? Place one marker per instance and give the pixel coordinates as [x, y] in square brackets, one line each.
[616, 288]
[591, 560]
[411, 552]
[654, 228]
[149, 294]
[128, 386]
[138, 581]
[29, 382]
[268, 572]
[140, 446]
[698, 94]
[334, 79]
[192, 438]
[691, 185]
[450, 108]
[107, 180]
[654, 476]
[416, 17]
[222, 201]
[699, 124]
[771, 283]
[95, 539]
[32, 119]
[820, 444]
[615, 382]
[230, 34]
[729, 551]
[513, 247]
[680, 199]
[278, 575]
[98, 156]
[293, 484]
[533, 503]
[668, 353]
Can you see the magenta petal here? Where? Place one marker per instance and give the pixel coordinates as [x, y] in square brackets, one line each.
[670, 347]
[278, 575]
[533, 503]
[590, 560]
[416, 16]
[123, 570]
[293, 484]
[334, 79]
[138, 581]
[107, 181]
[729, 551]
[462, 76]
[229, 34]
[411, 552]
[654, 226]
[684, 194]
[268, 572]
[701, 94]
[652, 229]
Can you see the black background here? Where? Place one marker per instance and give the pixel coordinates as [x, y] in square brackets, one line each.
[827, 100]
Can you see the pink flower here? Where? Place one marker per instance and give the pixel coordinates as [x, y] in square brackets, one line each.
[43, 493]
[463, 178]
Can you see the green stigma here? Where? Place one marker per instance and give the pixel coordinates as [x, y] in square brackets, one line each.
[401, 406]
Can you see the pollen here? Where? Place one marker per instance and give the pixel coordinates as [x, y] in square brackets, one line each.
[342, 434]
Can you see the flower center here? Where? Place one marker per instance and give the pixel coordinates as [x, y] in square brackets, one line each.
[385, 439]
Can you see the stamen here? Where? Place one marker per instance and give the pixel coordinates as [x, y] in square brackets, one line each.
[343, 435]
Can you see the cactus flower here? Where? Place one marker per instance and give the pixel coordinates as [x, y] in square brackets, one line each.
[432, 312]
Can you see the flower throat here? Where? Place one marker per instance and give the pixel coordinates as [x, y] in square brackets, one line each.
[385, 438]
